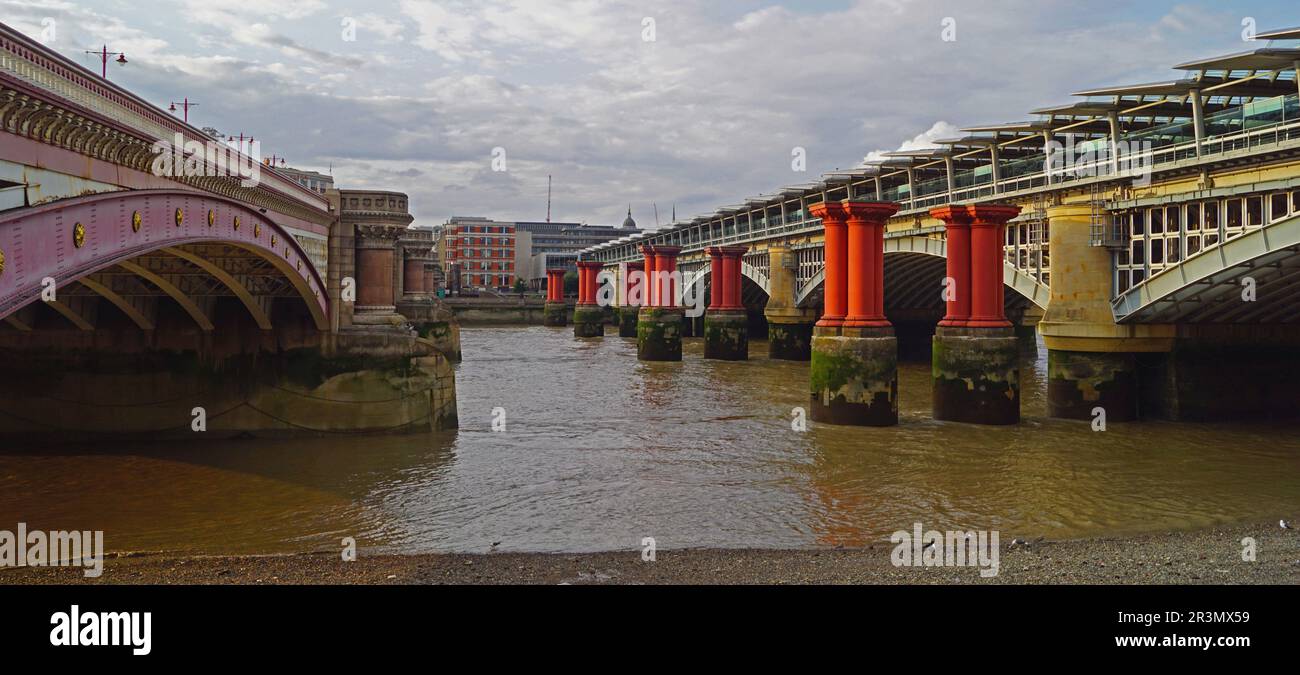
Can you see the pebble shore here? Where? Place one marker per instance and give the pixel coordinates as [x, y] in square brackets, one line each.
[1207, 556]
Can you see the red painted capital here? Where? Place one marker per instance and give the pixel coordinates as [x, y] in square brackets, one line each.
[828, 211]
[869, 212]
[993, 214]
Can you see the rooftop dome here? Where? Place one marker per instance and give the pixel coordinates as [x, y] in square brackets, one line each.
[629, 223]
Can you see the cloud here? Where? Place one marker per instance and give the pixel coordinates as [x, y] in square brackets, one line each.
[704, 115]
[923, 141]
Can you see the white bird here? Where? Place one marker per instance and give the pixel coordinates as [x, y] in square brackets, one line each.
[1285, 525]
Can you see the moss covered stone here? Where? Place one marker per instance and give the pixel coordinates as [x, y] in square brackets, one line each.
[659, 334]
[1079, 382]
[854, 380]
[555, 314]
[789, 341]
[976, 379]
[726, 336]
[588, 321]
[627, 319]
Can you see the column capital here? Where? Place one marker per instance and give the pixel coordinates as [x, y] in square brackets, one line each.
[377, 236]
[591, 264]
[956, 215]
[417, 252]
[870, 212]
[667, 250]
[832, 211]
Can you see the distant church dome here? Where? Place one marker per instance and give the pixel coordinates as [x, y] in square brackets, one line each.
[629, 224]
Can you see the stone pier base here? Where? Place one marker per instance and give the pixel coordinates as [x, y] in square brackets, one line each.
[356, 381]
[1079, 382]
[555, 314]
[588, 321]
[659, 334]
[854, 378]
[789, 341]
[627, 319]
[726, 335]
[976, 375]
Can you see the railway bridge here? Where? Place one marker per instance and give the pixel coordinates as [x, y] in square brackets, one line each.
[1148, 233]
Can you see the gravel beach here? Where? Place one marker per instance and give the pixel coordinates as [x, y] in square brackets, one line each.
[1207, 556]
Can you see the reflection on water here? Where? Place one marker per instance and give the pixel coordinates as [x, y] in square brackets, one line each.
[600, 450]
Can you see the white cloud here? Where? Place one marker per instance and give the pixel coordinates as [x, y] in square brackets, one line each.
[923, 141]
[706, 114]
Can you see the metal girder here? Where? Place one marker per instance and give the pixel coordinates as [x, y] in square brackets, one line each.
[252, 303]
[130, 309]
[166, 286]
[1184, 290]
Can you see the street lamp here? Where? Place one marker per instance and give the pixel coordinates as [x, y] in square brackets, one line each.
[103, 55]
[185, 106]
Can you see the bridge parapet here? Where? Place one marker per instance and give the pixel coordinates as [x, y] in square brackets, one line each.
[80, 110]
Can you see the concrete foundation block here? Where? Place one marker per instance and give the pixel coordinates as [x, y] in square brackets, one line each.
[976, 374]
[659, 334]
[854, 380]
[627, 319]
[555, 314]
[789, 341]
[1080, 382]
[726, 335]
[588, 321]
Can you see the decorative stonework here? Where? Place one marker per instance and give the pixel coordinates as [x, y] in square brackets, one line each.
[377, 236]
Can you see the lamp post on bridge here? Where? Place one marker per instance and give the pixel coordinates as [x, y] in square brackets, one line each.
[185, 105]
[103, 55]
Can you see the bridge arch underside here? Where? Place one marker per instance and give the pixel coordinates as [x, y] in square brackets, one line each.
[155, 269]
[201, 296]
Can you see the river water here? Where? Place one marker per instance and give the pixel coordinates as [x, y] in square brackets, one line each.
[599, 450]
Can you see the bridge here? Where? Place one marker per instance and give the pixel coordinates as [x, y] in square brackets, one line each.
[1147, 232]
[155, 279]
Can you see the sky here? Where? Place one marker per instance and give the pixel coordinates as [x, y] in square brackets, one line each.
[468, 106]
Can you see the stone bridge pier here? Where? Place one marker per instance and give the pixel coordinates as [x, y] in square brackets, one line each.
[854, 369]
[975, 356]
[588, 316]
[726, 323]
[789, 327]
[659, 322]
[555, 311]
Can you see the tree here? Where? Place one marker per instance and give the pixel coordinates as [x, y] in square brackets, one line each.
[570, 283]
[520, 286]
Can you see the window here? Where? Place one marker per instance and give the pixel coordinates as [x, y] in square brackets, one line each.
[1157, 251]
[1278, 206]
[1193, 217]
[1171, 249]
[1139, 223]
[1211, 240]
[1138, 276]
[1295, 201]
[1123, 281]
[1255, 211]
[1173, 219]
[1157, 221]
[1234, 213]
[1211, 213]
[1139, 253]
[1193, 245]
